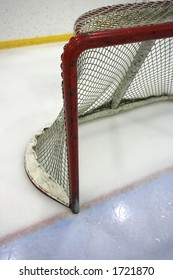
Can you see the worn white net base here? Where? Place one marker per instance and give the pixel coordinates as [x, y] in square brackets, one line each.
[110, 80]
[39, 177]
[52, 161]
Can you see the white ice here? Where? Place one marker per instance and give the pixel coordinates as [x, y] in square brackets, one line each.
[114, 151]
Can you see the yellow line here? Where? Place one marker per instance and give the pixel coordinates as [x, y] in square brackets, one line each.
[34, 41]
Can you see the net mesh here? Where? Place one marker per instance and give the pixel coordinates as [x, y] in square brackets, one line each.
[111, 79]
[122, 16]
[51, 152]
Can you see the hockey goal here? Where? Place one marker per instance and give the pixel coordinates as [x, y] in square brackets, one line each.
[120, 57]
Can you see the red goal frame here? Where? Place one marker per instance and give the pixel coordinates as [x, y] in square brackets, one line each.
[77, 45]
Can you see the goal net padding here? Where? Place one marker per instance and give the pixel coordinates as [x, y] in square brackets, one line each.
[120, 58]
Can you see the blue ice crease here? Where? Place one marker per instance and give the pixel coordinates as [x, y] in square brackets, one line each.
[137, 224]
